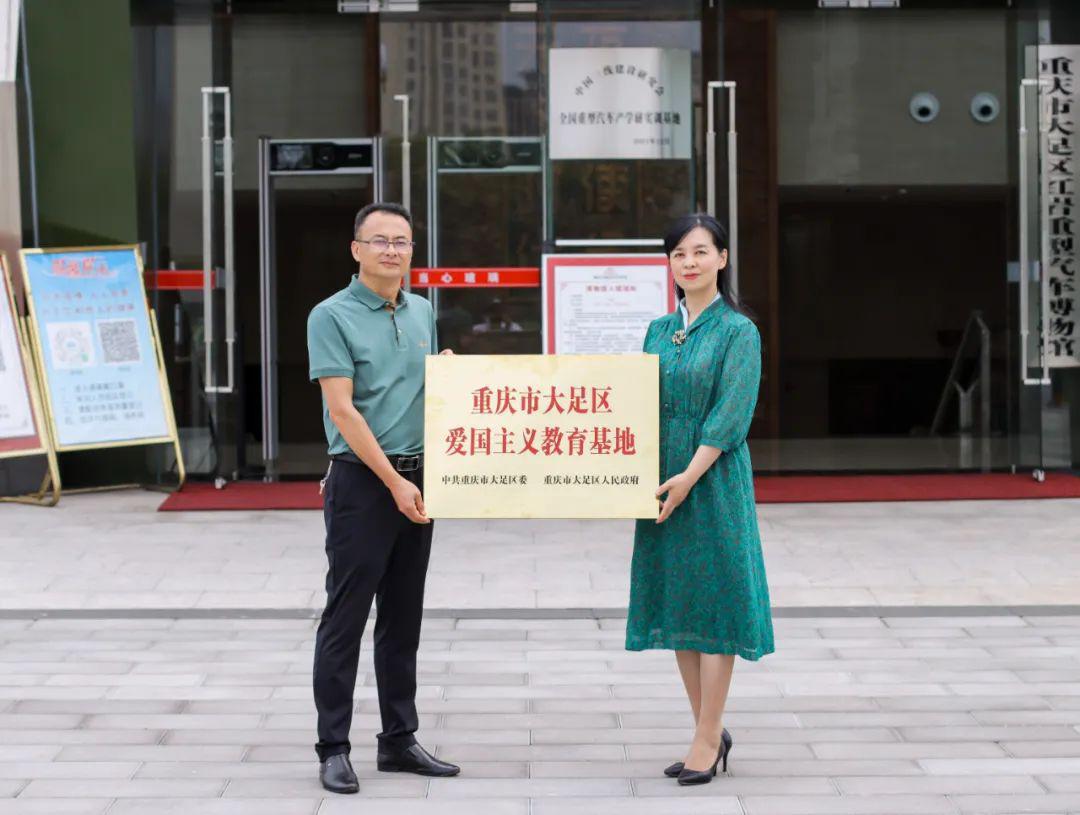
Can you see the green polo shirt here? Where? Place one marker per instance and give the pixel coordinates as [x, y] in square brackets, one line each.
[355, 334]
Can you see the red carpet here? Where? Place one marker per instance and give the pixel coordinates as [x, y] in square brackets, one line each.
[201, 495]
[794, 489]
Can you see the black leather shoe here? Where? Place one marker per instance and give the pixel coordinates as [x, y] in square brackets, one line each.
[689, 778]
[676, 768]
[336, 775]
[414, 759]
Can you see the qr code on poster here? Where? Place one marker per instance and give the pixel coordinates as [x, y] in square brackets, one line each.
[71, 345]
[119, 341]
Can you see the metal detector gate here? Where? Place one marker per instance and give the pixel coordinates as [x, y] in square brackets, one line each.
[454, 156]
[295, 157]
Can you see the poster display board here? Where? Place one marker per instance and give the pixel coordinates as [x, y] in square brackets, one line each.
[536, 436]
[603, 304]
[96, 348]
[23, 431]
[20, 428]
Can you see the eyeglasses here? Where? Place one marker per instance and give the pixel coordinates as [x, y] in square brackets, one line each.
[382, 244]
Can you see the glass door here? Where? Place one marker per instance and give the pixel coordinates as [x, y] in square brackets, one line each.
[469, 72]
[1046, 369]
[883, 229]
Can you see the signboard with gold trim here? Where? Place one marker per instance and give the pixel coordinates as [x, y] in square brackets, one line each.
[22, 427]
[96, 345]
[529, 436]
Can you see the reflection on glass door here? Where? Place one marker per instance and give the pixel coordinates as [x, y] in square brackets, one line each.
[893, 218]
[470, 74]
[1046, 372]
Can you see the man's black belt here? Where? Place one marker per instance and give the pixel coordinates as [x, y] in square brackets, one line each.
[403, 464]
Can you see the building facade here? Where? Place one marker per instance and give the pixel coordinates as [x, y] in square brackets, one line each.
[878, 181]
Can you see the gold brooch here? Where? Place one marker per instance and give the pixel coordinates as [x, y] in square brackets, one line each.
[679, 337]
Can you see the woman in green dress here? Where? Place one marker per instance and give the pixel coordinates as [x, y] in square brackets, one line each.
[697, 582]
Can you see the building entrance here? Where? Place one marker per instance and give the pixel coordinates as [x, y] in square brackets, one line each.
[878, 182]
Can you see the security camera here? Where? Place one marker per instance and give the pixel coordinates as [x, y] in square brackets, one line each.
[924, 107]
[985, 107]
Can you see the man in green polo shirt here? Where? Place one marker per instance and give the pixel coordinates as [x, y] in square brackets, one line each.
[367, 346]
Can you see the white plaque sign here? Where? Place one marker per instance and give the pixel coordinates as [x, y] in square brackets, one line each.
[619, 103]
[603, 304]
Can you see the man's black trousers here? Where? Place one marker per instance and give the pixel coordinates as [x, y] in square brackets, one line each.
[373, 552]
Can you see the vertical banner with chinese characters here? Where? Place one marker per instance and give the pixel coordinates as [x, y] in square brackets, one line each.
[542, 436]
[20, 433]
[621, 103]
[603, 304]
[96, 349]
[1059, 72]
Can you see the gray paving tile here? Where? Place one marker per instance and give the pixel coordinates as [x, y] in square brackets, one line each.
[1034, 749]
[664, 754]
[628, 735]
[220, 806]
[939, 785]
[66, 737]
[848, 805]
[180, 721]
[344, 805]
[1061, 783]
[890, 719]
[1047, 803]
[530, 721]
[1001, 766]
[988, 733]
[67, 769]
[400, 787]
[912, 750]
[463, 787]
[962, 703]
[673, 805]
[1028, 717]
[27, 753]
[122, 789]
[737, 785]
[89, 707]
[54, 806]
[467, 753]
[731, 719]
[152, 752]
[822, 768]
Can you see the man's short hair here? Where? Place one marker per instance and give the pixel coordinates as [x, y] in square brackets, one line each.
[380, 206]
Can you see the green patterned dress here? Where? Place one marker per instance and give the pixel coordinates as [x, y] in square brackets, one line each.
[698, 580]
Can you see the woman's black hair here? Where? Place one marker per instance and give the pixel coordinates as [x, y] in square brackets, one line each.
[679, 229]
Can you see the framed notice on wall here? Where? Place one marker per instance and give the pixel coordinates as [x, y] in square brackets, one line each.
[534, 436]
[21, 432]
[603, 304]
[97, 349]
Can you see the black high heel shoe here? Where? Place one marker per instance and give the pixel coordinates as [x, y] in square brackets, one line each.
[691, 777]
[676, 768]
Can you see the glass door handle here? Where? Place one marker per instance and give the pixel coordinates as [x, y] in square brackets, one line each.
[733, 181]
[1025, 262]
[208, 238]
